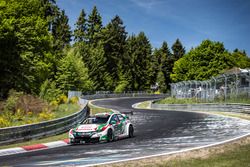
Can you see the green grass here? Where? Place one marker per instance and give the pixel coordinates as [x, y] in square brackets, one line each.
[239, 156]
[66, 109]
[144, 104]
[238, 100]
[171, 100]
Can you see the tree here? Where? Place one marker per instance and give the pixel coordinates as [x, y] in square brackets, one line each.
[178, 50]
[98, 68]
[155, 66]
[26, 50]
[49, 9]
[114, 39]
[61, 31]
[94, 26]
[161, 82]
[137, 69]
[72, 73]
[166, 63]
[201, 63]
[81, 28]
[240, 59]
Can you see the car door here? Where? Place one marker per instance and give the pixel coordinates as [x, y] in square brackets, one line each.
[122, 124]
[114, 121]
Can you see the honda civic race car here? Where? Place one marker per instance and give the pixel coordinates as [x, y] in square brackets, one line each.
[102, 127]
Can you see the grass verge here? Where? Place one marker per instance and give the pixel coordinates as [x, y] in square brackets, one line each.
[171, 100]
[145, 104]
[66, 109]
[227, 155]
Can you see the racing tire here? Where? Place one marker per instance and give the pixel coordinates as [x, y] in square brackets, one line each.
[110, 136]
[71, 142]
[131, 131]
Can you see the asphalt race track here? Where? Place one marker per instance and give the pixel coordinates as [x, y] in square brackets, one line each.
[156, 132]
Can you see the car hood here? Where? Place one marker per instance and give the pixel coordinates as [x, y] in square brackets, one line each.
[87, 128]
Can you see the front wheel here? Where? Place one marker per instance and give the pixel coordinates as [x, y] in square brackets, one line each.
[71, 142]
[110, 136]
[131, 131]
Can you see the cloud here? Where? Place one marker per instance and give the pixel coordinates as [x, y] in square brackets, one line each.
[147, 4]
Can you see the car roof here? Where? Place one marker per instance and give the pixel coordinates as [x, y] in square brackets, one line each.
[107, 113]
[103, 115]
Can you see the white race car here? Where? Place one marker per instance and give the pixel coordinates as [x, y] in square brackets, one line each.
[102, 127]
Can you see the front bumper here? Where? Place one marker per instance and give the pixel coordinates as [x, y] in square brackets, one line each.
[82, 140]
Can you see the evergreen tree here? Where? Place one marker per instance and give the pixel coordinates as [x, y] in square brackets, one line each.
[98, 68]
[114, 39]
[129, 65]
[138, 52]
[61, 31]
[155, 66]
[166, 63]
[161, 82]
[178, 50]
[94, 26]
[72, 73]
[81, 28]
[50, 10]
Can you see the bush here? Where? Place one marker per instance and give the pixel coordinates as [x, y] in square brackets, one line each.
[122, 86]
[12, 100]
[4, 122]
[29, 103]
[19, 115]
[54, 103]
[74, 100]
[63, 99]
[45, 115]
[49, 92]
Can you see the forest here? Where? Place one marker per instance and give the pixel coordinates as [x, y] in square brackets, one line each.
[40, 54]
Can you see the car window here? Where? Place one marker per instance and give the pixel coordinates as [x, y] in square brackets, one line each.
[114, 118]
[96, 120]
[121, 118]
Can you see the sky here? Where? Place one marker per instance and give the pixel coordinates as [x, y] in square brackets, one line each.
[192, 21]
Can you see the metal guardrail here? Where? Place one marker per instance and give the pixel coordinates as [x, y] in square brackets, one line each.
[100, 96]
[238, 108]
[48, 128]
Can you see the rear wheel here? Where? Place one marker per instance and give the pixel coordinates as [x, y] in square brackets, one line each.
[110, 136]
[131, 131]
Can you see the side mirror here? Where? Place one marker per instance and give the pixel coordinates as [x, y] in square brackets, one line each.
[113, 122]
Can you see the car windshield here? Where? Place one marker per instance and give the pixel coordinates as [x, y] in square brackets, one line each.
[96, 120]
